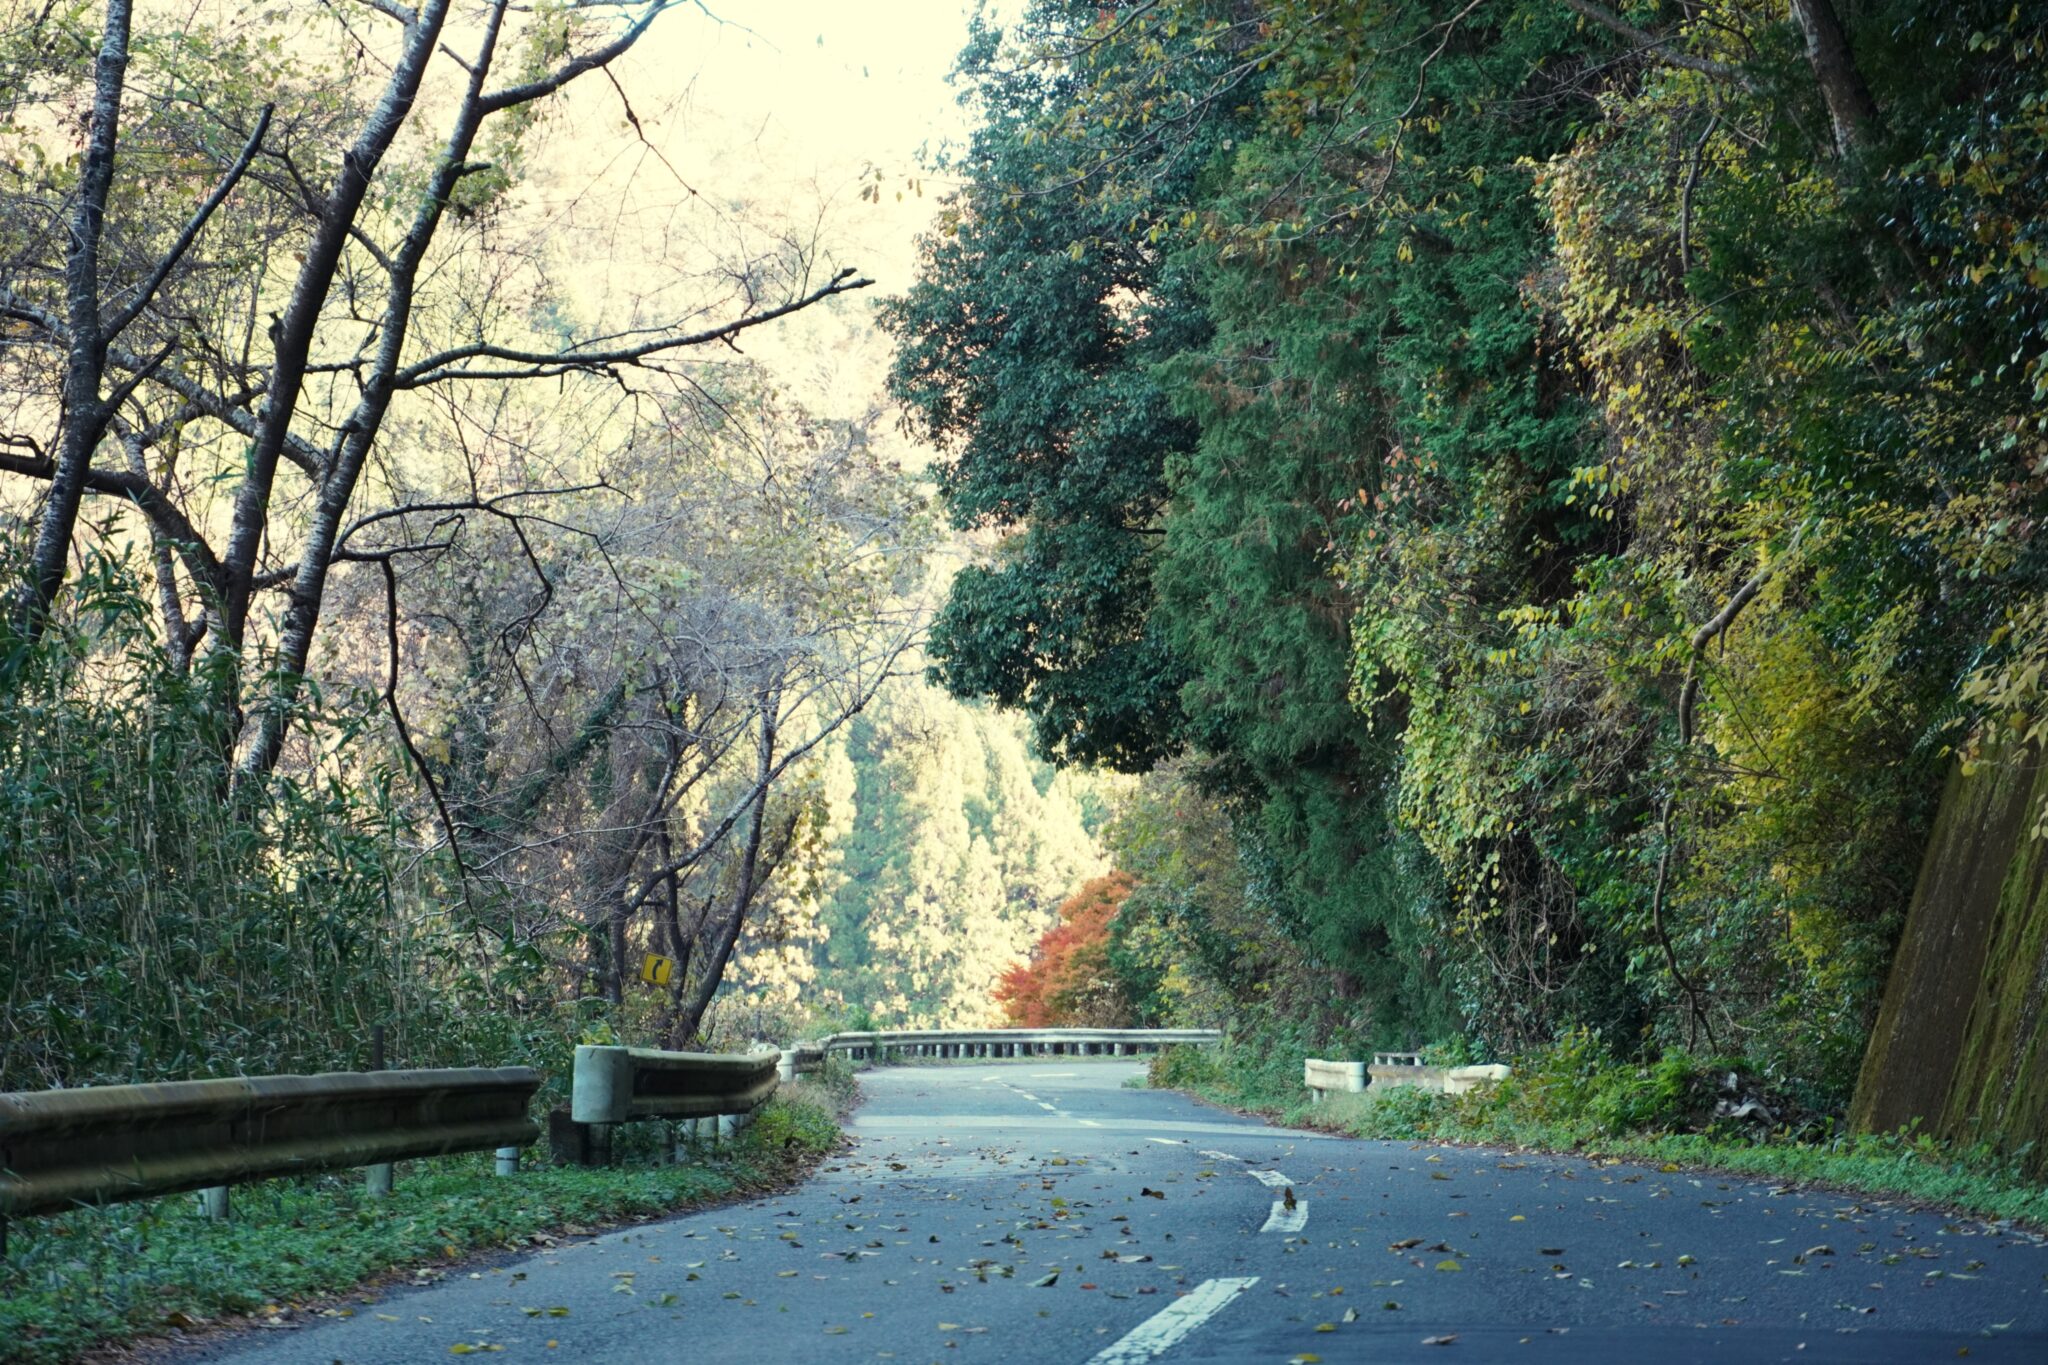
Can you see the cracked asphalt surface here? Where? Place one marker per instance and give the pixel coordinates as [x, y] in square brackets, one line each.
[1036, 1210]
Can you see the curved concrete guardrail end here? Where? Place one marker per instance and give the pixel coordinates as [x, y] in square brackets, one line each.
[1321, 1077]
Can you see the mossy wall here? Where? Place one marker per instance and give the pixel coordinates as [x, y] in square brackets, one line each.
[1961, 1043]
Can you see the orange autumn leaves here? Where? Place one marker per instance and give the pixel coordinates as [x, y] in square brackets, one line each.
[1068, 981]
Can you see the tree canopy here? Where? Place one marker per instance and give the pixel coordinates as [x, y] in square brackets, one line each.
[1583, 481]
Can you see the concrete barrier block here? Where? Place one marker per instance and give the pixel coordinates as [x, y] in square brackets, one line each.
[1460, 1080]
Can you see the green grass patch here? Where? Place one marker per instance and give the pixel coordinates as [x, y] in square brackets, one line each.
[1563, 1101]
[96, 1276]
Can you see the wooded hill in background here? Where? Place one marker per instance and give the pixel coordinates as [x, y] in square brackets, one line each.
[1565, 476]
[953, 848]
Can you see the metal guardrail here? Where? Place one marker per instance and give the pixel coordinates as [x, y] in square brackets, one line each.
[714, 1093]
[622, 1084]
[104, 1144]
[1011, 1042]
[804, 1059]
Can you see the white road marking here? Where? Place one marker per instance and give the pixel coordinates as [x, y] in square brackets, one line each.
[1272, 1180]
[1053, 1075]
[1171, 1142]
[1025, 1093]
[1166, 1328]
[1284, 1219]
[1043, 1105]
[1218, 1156]
[1088, 1123]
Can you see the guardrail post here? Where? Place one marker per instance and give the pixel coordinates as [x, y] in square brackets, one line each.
[213, 1202]
[377, 1178]
[505, 1161]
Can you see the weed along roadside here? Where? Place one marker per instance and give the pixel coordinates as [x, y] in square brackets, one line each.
[311, 1247]
[1678, 1113]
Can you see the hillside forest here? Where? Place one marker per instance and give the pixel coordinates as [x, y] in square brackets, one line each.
[1544, 492]
[1484, 527]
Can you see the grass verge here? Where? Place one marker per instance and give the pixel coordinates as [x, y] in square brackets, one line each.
[1614, 1112]
[97, 1277]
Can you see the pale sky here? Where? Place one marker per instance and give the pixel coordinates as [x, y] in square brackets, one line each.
[778, 112]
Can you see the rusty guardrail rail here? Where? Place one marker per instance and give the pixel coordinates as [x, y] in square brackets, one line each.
[107, 1143]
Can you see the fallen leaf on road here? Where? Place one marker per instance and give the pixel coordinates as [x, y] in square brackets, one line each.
[1147, 1193]
[1448, 1265]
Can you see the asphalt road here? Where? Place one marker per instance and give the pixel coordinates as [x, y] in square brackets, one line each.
[1037, 1211]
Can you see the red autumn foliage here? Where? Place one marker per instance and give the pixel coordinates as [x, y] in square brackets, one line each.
[1068, 982]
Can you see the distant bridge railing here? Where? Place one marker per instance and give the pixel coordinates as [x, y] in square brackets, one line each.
[894, 1044]
[108, 1143]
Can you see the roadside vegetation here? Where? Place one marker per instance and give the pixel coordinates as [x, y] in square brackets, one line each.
[1675, 1113]
[320, 1247]
[1543, 494]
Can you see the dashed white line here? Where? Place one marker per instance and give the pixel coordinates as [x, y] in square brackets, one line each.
[1172, 1142]
[1165, 1329]
[1284, 1219]
[1272, 1180]
[1043, 1105]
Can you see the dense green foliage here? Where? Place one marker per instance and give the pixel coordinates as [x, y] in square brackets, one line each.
[1604, 460]
[154, 930]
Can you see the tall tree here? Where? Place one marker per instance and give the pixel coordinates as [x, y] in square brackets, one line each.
[153, 347]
